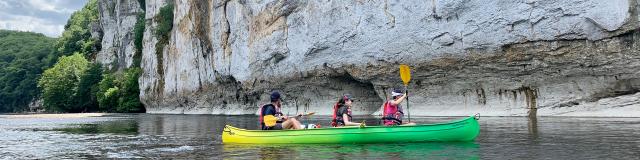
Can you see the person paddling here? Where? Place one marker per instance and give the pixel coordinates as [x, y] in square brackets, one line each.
[392, 112]
[272, 119]
[342, 113]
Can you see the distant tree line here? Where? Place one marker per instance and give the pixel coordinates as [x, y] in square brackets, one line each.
[23, 57]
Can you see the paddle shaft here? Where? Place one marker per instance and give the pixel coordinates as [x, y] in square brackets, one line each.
[408, 110]
[306, 114]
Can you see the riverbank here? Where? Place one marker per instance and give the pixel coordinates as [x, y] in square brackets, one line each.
[61, 115]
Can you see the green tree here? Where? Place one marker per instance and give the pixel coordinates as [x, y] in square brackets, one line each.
[60, 83]
[23, 56]
[107, 93]
[119, 92]
[88, 87]
[129, 100]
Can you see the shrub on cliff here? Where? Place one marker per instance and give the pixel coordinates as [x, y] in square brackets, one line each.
[163, 32]
[165, 22]
[142, 4]
[138, 33]
[118, 92]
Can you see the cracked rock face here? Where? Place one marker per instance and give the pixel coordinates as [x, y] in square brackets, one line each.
[117, 19]
[502, 58]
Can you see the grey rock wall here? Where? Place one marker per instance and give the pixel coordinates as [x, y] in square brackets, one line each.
[503, 58]
[117, 19]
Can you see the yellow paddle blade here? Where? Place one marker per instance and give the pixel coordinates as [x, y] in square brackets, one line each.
[270, 120]
[405, 74]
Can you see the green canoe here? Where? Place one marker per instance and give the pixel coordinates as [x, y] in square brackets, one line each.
[466, 129]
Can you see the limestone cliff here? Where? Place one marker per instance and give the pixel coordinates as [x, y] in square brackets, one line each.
[505, 58]
[117, 19]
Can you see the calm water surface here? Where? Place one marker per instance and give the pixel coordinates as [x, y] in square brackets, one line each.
[198, 136]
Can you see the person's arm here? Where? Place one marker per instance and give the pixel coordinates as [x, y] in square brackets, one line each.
[345, 118]
[284, 117]
[396, 102]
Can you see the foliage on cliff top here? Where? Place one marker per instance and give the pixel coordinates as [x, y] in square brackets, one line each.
[23, 56]
[77, 32]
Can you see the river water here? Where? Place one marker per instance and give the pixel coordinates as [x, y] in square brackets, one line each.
[198, 136]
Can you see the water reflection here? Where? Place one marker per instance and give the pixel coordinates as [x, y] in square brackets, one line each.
[457, 150]
[208, 128]
[198, 137]
[113, 127]
[533, 127]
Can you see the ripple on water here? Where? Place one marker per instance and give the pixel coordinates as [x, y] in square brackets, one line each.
[124, 155]
[172, 149]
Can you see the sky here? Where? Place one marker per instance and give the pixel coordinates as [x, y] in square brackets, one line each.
[42, 16]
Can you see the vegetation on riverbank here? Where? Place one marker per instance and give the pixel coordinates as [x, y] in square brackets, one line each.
[118, 92]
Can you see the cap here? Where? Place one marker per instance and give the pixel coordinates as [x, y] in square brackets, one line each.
[396, 92]
[275, 96]
[347, 96]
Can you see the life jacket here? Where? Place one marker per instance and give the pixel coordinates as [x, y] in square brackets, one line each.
[391, 114]
[261, 119]
[334, 120]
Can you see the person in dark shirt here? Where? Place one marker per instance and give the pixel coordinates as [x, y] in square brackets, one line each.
[342, 112]
[273, 109]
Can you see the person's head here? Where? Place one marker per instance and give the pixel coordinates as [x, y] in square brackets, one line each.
[275, 98]
[396, 93]
[346, 100]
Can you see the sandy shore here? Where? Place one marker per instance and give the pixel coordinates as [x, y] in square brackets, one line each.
[64, 115]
